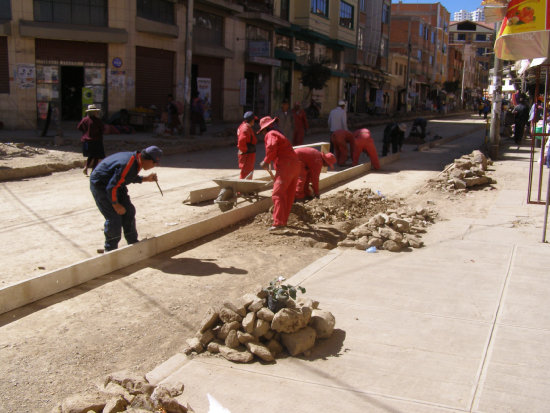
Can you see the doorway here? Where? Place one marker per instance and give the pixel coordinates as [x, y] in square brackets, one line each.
[72, 82]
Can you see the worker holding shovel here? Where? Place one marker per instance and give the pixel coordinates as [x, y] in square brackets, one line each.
[312, 162]
[108, 184]
[279, 150]
[246, 142]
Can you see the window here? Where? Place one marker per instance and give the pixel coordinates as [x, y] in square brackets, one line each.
[256, 33]
[5, 9]
[481, 37]
[4, 67]
[431, 60]
[302, 50]
[396, 68]
[480, 51]
[319, 7]
[363, 5]
[420, 30]
[384, 47]
[285, 9]
[433, 37]
[419, 55]
[208, 28]
[401, 67]
[346, 15]
[87, 12]
[461, 37]
[282, 42]
[385, 13]
[157, 10]
[361, 38]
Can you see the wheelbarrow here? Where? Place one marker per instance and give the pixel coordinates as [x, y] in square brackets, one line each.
[232, 189]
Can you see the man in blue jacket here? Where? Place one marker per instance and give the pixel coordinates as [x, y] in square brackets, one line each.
[108, 185]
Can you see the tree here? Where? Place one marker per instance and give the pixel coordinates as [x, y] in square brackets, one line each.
[315, 75]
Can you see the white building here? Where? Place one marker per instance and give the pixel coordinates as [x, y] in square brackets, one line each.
[475, 16]
[461, 15]
[478, 15]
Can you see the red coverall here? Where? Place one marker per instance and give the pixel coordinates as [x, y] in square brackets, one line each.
[300, 126]
[246, 142]
[312, 163]
[279, 150]
[340, 139]
[364, 143]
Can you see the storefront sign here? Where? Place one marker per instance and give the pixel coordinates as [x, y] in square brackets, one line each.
[117, 62]
[204, 87]
[26, 77]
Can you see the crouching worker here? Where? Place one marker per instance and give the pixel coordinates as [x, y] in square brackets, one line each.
[394, 133]
[312, 162]
[419, 128]
[365, 143]
[108, 184]
[278, 150]
[340, 140]
[246, 142]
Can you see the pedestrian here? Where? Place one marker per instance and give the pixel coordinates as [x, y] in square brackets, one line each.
[340, 140]
[300, 124]
[108, 184]
[197, 115]
[173, 125]
[337, 120]
[521, 117]
[486, 108]
[394, 134]
[364, 143]
[285, 123]
[92, 127]
[279, 150]
[312, 162]
[419, 128]
[246, 142]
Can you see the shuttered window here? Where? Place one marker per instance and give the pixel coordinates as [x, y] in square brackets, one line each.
[154, 76]
[4, 68]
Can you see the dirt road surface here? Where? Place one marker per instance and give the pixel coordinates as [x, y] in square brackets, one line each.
[137, 317]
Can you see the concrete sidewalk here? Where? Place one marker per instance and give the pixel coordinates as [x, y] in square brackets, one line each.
[461, 325]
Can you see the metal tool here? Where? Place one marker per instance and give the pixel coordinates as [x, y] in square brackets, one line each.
[158, 186]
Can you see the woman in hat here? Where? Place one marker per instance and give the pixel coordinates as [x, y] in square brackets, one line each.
[246, 142]
[91, 127]
[279, 150]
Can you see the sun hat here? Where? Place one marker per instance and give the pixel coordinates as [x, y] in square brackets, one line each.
[152, 152]
[248, 116]
[341, 102]
[266, 122]
[329, 159]
[93, 108]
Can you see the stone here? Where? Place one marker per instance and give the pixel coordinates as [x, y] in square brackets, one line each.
[227, 315]
[143, 401]
[361, 243]
[392, 246]
[260, 327]
[134, 383]
[458, 183]
[210, 319]
[213, 347]
[193, 344]
[299, 341]
[115, 405]
[83, 402]
[323, 322]
[248, 322]
[265, 313]
[114, 389]
[236, 355]
[479, 158]
[414, 242]
[274, 347]
[237, 308]
[289, 320]
[256, 305]
[171, 405]
[377, 220]
[346, 243]
[390, 234]
[261, 351]
[463, 164]
[307, 302]
[401, 225]
[375, 242]
[247, 299]
[206, 337]
[456, 173]
[245, 337]
[226, 328]
[269, 335]
[231, 340]
[361, 231]
[477, 180]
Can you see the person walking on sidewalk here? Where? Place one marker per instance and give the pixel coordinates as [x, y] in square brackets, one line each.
[197, 115]
[337, 120]
[286, 120]
[92, 127]
[521, 117]
[108, 184]
[364, 143]
[246, 142]
[300, 124]
[340, 140]
[279, 150]
[312, 162]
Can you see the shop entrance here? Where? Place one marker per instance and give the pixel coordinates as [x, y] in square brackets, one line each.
[72, 82]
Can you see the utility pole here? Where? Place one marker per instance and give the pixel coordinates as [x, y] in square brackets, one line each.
[463, 74]
[407, 79]
[188, 64]
[494, 131]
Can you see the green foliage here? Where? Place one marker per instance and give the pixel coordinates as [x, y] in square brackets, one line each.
[315, 75]
[282, 292]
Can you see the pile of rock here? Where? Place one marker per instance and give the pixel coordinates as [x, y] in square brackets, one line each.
[392, 231]
[466, 172]
[126, 392]
[247, 328]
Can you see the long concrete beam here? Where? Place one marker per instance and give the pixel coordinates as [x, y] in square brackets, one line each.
[44, 285]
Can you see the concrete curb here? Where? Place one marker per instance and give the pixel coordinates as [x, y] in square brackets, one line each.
[44, 285]
[433, 144]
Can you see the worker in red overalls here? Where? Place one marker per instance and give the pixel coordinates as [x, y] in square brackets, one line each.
[312, 163]
[246, 142]
[279, 150]
[341, 139]
[300, 124]
[364, 143]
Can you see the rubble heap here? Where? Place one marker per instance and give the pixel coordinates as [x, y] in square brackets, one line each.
[464, 173]
[242, 330]
[126, 392]
[392, 231]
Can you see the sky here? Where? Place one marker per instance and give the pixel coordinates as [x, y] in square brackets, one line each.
[452, 6]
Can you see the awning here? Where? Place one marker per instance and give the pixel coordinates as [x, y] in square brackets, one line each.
[284, 54]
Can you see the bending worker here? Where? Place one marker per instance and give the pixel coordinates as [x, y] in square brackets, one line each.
[279, 150]
[312, 162]
[108, 184]
[394, 134]
[364, 143]
[246, 142]
[340, 140]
